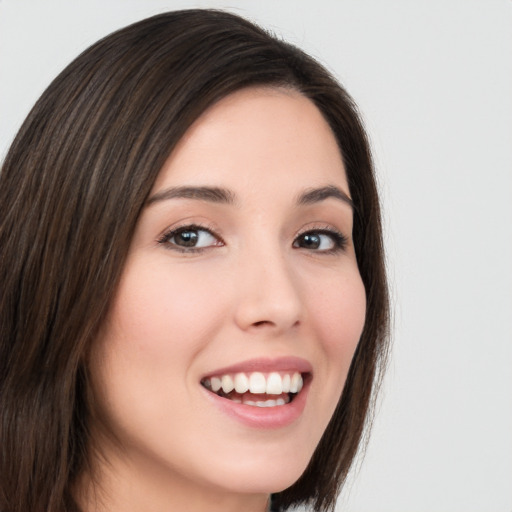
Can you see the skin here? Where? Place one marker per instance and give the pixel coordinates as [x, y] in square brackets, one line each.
[251, 291]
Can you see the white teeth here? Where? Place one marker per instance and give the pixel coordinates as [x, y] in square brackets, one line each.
[215, 384]
[257, 383]
[241, 383]
[286, 384]
[296, 383]
[265, 403]
[262, 403]
[227, 384]
[274, 384]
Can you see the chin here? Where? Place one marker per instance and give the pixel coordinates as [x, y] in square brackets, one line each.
[267, 473]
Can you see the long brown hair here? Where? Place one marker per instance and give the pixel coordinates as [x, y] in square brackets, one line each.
[72, 187]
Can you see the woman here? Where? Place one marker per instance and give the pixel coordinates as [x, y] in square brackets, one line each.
[194, 305]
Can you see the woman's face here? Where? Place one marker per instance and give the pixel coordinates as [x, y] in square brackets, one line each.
[242, 273]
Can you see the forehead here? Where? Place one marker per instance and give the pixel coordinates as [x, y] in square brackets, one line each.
[256, 136]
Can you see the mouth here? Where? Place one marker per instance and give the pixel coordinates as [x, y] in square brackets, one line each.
[257, 389]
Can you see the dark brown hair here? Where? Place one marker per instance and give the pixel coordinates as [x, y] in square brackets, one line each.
[72, 187]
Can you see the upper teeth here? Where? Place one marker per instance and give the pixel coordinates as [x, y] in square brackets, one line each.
[273, 383]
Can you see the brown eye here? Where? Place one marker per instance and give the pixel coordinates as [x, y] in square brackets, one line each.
[186, 237]
[321, 241]
[311, 241]
[191, 238]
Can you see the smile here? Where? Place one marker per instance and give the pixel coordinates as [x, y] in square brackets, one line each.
[256, 389]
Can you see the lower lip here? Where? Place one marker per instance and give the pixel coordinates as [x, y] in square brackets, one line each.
[263, 417]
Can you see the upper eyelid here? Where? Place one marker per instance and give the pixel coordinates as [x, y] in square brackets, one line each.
[188, 225]
[321, 229]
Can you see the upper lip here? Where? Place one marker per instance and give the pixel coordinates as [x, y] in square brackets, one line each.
[280, 364]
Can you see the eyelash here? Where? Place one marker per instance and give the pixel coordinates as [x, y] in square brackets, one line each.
[339, 240]
[168, 235]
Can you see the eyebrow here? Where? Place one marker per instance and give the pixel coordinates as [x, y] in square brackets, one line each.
[210, 194]
[225, 196]
[317, 195]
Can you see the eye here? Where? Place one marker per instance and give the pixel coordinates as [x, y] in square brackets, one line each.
[323, 240]
[190, 239]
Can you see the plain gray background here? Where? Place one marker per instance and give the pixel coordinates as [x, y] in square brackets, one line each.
[434, 82]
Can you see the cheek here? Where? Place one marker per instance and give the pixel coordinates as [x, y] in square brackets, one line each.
[158, 310]
[157, 325]
[338, 314]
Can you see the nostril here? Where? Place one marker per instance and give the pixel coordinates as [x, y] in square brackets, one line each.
[261, 322]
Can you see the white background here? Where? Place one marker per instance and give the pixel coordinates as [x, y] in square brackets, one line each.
[434, 82]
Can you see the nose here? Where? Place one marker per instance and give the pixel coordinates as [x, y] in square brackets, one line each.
[268, 295]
